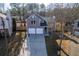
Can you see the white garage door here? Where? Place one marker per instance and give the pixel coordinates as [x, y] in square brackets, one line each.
[31, 31]
[39, 31]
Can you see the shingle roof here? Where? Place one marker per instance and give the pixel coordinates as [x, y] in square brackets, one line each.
[2, 15]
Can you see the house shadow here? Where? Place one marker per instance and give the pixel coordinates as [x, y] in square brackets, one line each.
[51, 45]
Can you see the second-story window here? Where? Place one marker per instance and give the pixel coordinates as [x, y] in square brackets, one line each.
[32, 22]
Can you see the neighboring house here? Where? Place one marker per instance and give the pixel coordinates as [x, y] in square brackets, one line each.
[76, 27]
[37, 29]
[5, 25]
[59, 26]
[20, 25]
[51, 24]
[36, 25]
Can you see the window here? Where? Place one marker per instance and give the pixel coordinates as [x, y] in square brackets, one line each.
[78, 24]
[32, 22]
[43, 23]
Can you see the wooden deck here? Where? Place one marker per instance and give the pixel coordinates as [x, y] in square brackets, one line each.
[72, 37]
[69, 45]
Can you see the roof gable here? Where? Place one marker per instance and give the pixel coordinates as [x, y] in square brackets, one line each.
[34, 16]
[37, 17]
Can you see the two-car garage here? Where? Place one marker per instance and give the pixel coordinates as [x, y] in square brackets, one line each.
[35, 31]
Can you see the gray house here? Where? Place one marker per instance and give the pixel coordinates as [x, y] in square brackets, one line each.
[5, 24]
[36, 25]
[37, 29]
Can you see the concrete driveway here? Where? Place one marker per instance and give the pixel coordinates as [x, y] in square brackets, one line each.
[36, 44]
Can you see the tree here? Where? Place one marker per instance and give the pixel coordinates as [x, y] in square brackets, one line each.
[15, 8]
[42, 7]
[1, 7]
[18, 9]
[76, 5]
[15, 5]
[32, 7]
